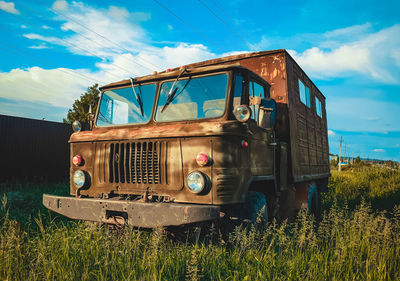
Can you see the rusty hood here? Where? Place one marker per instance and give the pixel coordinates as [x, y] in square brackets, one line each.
[154, 130]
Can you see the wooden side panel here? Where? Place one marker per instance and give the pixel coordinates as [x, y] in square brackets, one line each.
[308, 131]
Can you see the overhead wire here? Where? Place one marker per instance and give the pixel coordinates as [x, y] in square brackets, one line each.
[187, 24]
[59, 51]
[102, 36]
[21, 53]
[74, 45]
[228, 16]
[33, 88]
[225, 23]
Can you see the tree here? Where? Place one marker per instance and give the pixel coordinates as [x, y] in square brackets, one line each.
[80, 108]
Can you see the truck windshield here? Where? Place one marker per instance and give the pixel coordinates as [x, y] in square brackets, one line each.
[122, 106]
[192, 98]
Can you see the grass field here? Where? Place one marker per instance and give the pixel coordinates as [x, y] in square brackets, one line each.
[358, 238]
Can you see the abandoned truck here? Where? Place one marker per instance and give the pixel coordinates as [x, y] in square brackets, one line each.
[241, 136]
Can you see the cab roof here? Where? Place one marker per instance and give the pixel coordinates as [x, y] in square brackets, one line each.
[174, 73]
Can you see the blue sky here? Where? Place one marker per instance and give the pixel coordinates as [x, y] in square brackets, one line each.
[51, 51]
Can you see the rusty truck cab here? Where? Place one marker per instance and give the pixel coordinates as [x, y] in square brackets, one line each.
[173, 148]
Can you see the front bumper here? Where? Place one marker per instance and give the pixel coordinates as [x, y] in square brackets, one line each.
[140, 214]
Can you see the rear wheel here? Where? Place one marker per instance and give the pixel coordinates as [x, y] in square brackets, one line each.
[307, 196]
[314, 201]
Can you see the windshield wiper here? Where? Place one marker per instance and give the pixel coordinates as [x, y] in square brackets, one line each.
[169, 99]
[138, 97]
[172, 91]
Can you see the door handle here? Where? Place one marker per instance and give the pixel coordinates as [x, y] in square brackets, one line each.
[274, 144]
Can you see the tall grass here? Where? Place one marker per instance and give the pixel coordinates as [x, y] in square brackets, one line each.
[378, 186]
[348, 243]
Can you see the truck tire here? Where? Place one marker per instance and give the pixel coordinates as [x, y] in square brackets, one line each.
[254, 206]
[314, 201]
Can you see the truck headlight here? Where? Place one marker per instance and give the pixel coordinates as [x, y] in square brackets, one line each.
[79, 178]
[196, 182]
[242, 113]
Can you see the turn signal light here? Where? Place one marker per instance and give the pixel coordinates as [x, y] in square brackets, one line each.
[77, 160]
[202, 159]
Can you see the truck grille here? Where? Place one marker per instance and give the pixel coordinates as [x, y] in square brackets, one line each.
[136, 162]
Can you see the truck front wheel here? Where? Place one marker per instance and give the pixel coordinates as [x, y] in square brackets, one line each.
[253, 209]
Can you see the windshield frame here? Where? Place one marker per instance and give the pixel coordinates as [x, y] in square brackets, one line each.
[187, 77]
[156, 83]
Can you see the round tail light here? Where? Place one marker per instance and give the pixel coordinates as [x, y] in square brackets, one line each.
[77, 160]
[202, 159]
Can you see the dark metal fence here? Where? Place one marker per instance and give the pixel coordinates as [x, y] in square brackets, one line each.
[33, 150]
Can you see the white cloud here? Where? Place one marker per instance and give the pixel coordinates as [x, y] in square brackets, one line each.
[8, 7]
[376, 55]
[170, 27]
[396, 56]
[355, 30]
[331, 133]
[60, 5]
[121, 27]
[397, 144]
[39, 47]
[118, 28]
[36, 84]
[263, 44]
[122, 44]
[378, 150]
[34, 36]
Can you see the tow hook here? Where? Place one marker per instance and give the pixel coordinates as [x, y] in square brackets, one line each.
[118, 221]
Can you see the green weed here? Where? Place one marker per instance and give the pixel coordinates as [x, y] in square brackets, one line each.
[354, 240]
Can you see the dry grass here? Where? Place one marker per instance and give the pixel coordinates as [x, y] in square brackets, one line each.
[360, 243]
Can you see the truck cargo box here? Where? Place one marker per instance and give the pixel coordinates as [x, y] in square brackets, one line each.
[301, 112]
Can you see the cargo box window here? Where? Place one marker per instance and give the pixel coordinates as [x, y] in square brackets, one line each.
[318, 107]
[304, 93]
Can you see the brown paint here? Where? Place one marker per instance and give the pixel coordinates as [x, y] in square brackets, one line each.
[117, 170]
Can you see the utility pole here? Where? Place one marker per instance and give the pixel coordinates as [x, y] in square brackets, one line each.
[344, 156]
[340, 155]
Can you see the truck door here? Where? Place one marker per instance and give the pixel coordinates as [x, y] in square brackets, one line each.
[261, 140]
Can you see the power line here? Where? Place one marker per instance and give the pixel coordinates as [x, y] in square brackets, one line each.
[21, 53]
[187, 24]
[117, 77]
[105, 38]
[71, 44]
[224, 22]
[228, 16]
[33, 88]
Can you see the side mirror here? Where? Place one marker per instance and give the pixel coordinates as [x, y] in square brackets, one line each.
[90, 117]
[267, 114]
